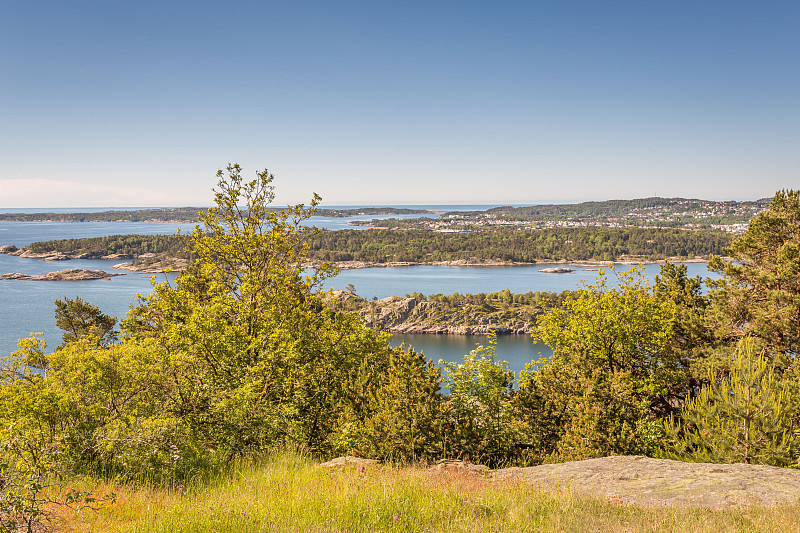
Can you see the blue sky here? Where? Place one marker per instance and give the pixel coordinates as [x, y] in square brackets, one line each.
[139, 103]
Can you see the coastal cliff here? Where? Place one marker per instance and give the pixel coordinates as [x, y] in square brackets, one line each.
[453, 315]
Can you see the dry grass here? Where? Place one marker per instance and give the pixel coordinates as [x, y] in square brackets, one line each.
[292, 494]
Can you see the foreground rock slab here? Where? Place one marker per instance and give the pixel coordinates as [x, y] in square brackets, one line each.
[648, 482]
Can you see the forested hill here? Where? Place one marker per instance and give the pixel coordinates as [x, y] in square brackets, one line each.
[669, 208]
[421, 246]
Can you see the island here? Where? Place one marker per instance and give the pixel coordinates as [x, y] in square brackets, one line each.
[72, 274]
[503, 312]
[380, 247]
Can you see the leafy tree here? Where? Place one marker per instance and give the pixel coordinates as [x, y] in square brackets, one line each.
[693, 342]
[760, 292]
[405, 412]
[609, 371]
[256, 356]
[104, 409]
[479, 413]
[743, 417]
[81, 320]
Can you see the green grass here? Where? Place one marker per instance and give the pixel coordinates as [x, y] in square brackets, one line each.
[289, 493]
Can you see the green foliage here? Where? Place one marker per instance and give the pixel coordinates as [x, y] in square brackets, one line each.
[742, 417]
[405, 412]
[760, 292]
[480, 417]
[82, 320]
[257, 358]
[693, 342]
[240, 355]
[609, 369]
[108, 407]
[520, 245]
[30, 476]
[134, 245]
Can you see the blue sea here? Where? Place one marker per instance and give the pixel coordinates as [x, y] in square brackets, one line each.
[28, 306]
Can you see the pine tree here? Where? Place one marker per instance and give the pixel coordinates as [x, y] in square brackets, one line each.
[742, 418]
[760, 292]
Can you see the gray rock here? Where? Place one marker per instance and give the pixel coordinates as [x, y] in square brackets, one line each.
[348, 460]
[649, 482]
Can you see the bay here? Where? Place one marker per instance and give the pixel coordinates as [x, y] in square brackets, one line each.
[381, 282]
[28, 306]
[516, 350]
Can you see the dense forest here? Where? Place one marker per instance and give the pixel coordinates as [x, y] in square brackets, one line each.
[243, 355]
[133, 245]
[383, 246]
[525, 246]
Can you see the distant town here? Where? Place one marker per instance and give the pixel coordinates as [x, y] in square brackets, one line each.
[689, 214]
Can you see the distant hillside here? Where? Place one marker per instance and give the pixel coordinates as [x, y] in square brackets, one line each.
[676, 207]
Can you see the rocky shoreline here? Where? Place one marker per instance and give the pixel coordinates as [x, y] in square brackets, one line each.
[397, 314]
[172, 264]
[147, 263]
[153, 263]
[72, 274]
[588, 265]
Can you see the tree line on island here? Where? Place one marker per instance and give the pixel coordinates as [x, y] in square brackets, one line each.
[243, 353]
[421, 246]
[523, 246]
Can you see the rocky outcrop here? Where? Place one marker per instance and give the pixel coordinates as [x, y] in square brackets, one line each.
[350, 265]
[651, 482]
[43, 256]
[151, 266]
[73, 274]
[637, 480]
[556, 270]
[348, 460]
[397, 314]
[148, 262]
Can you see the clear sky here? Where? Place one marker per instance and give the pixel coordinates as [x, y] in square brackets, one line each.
[138, 103]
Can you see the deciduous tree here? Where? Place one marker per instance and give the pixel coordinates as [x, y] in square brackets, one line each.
[256, 355]
[609, 369]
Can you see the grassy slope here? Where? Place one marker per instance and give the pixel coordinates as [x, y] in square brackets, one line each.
[290, 493]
